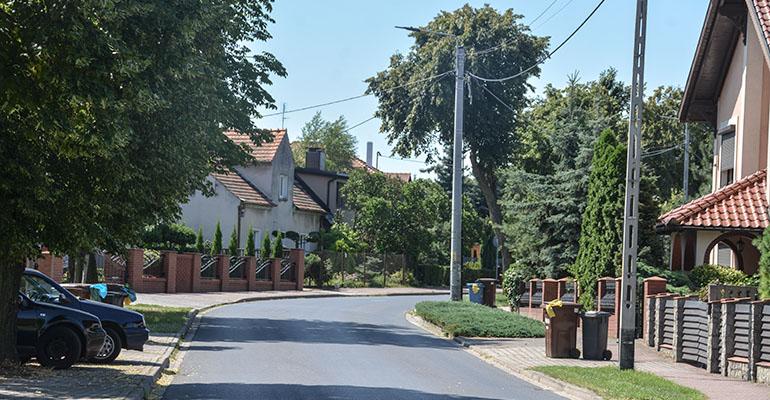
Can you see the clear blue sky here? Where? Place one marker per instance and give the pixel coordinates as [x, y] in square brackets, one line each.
[330, 47]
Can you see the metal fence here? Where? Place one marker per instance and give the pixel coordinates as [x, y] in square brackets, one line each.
[361, 269]
[695, 332]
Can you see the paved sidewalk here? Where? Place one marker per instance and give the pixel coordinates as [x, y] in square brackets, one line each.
[134, 372]
[518, 355]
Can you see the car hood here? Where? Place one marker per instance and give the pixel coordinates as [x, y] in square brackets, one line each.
[109, 312]
[68, 311]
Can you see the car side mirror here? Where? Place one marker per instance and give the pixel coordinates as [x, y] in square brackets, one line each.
[63, 299]
[23, 303]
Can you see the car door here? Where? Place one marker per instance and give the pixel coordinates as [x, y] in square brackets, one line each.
[29, 320]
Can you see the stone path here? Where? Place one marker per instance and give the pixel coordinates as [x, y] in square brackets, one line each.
[134, 372]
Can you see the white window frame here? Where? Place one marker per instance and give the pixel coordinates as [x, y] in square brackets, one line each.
[283, 187]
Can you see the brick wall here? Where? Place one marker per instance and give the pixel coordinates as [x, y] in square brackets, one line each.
[51, 266]
[210, 285]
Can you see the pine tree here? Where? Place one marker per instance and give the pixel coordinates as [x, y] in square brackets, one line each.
[278, 249]
[216, 247]
[599, 253]
[232, 247]
[250, 245]
[763, 245]
[266, 250]
[199, 247]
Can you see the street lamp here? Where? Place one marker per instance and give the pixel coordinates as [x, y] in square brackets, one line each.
[455, 290]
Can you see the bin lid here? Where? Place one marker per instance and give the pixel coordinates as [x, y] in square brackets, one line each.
[486, 280]
[596, 314]
[471, 284]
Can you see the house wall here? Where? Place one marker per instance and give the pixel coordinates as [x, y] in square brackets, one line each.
[702, 241]
[319, 184]
[260, 175]
[204, 212]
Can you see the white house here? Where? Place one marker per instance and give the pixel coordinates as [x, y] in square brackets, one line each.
[265, 196]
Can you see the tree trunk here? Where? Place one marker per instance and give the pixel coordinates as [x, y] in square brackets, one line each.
[10, 280]
[488, 185]
[92, 275]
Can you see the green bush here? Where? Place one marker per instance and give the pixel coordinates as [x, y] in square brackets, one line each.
[278, 246]
[515, 280]
[265, 251]
[674, 278]
[168, 237]
[399, 278]
[763, 245]
[703, 275]
[232, 247]
[199, 241]
[251, 249]
[472, 265]
[457, 318]
[216, 247]
[432, 275]
[315, 269]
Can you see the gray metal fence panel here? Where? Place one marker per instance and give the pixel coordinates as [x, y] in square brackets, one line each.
[694, 332]
[668, 323]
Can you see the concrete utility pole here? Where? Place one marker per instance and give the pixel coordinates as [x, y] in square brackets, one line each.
[631, 210]
[457, 179]
[686, 172]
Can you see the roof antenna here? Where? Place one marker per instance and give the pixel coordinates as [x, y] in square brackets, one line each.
[283, 115]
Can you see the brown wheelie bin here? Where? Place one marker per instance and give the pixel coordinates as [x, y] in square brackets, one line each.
[561, 330]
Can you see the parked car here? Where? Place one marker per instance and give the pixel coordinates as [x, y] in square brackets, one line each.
[56, 336]
[125, 328]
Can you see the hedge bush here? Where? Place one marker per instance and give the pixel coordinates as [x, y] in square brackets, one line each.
[704, 275]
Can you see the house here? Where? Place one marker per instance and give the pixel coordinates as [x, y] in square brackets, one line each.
[266, 196]
[728, 88]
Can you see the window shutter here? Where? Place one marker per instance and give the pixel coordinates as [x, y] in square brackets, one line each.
[727, 152]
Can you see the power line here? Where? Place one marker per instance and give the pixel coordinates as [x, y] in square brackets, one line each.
[403, 159]
[553, 15]
[547, 56]
[484, 86]
[542, 13]
[359, 124]
[357, 97]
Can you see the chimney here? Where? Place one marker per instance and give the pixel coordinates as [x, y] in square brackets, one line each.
[315, 158]
[369, 151]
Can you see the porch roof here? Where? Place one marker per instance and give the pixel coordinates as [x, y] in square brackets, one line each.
[741, 205]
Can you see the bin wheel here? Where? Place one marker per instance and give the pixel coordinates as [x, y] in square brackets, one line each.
[574, 353]
[607, 355]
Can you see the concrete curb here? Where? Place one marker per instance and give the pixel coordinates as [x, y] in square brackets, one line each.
[536, 378]
[193, 318]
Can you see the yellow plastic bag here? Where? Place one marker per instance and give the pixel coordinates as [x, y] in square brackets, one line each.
[549, 307]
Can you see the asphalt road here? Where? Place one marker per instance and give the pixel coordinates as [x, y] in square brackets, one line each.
[333, 348]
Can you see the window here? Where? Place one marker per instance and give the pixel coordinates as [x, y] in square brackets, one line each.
[724, 255]
[726, 158]
[340, 199]
[283, 194]
[38, 289]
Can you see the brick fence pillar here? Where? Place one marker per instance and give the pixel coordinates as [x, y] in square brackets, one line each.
[297, 257]
[134, 268]
[275, 272]
[169, 270]
[195, 273]
[550, 290]
[223, 271]
[713, 353]
[251, 273]
[651, 286]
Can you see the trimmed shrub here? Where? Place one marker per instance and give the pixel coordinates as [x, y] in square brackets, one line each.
[265, 251]
[232, 247]
[703, 275]
[251, 248]
[278, 246]
[216, 246]
[199, 246]
[167, 237]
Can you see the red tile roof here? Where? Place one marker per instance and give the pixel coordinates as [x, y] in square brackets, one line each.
[265, 152]
[762, 8]
[303, 201]
[357, 163]
[740, 205]
[402, 176]
[242, 189]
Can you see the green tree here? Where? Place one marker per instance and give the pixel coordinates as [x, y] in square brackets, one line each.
[416, 116]
[232, 247]
[266, 249]
[763, 245]
[278, 246]
[600, 248]
[332, 136]
[216, 245]
[251, 249]
[199, 246]
[111, 115]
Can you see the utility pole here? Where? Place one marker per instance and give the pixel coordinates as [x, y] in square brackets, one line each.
[686, 172]
[455, 290]
[631, 210]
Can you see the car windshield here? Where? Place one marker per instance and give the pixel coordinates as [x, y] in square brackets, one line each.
[38, 289]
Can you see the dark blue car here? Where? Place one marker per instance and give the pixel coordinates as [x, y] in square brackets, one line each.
[125, 328]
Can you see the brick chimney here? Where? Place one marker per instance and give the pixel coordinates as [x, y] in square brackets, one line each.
[315, 158]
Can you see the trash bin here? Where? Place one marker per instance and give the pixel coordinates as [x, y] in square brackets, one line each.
[476, 293]
[595, 324]
[115, 298]
[490, 290]
[561, 321]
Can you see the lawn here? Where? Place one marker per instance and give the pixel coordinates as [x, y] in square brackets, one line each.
[613, 384]
[474, 320]
[161, 319]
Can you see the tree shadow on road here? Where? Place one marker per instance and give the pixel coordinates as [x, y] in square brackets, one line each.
[242, 330]
[300, 392]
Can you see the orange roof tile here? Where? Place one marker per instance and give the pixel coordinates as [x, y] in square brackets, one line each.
[357, 163]
[242, 189]
[402, 176]
[265, 152]
[762, 8]
[740, 205]
[303, 201]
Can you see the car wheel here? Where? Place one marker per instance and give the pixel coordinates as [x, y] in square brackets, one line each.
[110, 349]
[58, 348]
